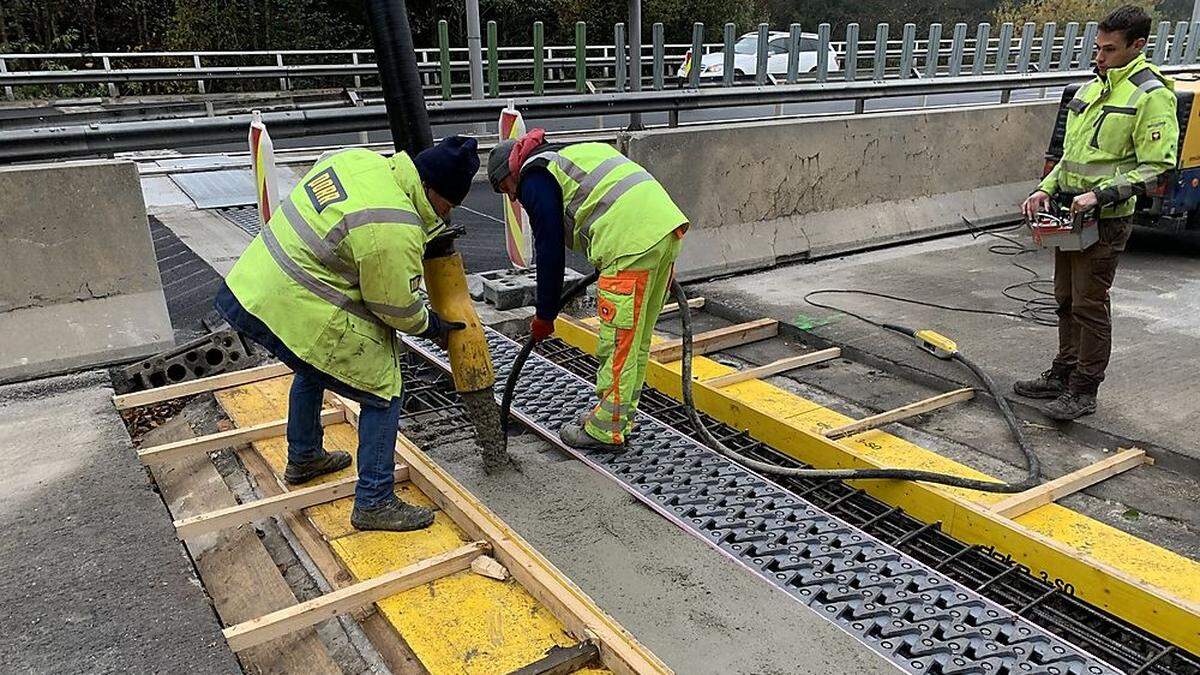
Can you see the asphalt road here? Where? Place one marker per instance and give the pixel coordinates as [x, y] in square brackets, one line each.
[483, 248]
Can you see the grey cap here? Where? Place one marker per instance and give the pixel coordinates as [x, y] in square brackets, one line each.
[498, 162]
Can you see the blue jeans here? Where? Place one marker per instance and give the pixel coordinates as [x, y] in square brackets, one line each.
[378, 418]
[376, 438]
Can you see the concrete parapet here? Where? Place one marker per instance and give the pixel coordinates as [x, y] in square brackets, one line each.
[79, 285]
[762, 193]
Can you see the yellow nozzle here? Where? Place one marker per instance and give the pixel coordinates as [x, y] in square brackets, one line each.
[935, 343]
[470, 361]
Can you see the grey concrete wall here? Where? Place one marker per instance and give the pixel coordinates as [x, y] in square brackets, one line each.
[79, 285]
[762, 193]
[73, 232]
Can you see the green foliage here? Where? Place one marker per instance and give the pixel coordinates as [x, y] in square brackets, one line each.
[1062, 11]
[869, 13]
[242, 25]
[238, 25]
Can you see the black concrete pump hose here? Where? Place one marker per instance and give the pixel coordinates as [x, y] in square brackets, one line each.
[514, 372]
[1032, 465]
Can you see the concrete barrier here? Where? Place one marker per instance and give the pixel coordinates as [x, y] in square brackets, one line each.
[762, 193]
[79, 285]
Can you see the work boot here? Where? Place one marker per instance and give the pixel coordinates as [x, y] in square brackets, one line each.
[394, 515]
[298, 473]
[1071, 405]
[1049, 384]
[574, 435]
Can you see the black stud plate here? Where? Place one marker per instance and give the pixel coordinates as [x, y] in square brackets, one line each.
[914, 617]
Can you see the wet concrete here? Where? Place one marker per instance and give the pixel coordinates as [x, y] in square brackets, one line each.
[696, 610]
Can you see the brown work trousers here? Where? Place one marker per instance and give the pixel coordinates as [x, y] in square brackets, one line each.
[1082, 280]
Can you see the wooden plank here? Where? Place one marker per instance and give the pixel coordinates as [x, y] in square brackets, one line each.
[234, 566]
[249, 512]
[669, 309]
[1052, 491]
[780, 366]
[291, 619]
[902, 413]
[717, 339]
[200, 386]
[619, 651]
[396, 653]
[233, 437]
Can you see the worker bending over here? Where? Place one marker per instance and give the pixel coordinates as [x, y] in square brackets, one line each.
[325, 287]
[589, 197]
[1121, 136]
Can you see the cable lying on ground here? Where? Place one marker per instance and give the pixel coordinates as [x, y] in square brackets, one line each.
[1032, 464]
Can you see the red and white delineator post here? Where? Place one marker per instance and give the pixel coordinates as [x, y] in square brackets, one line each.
[262, 161]
[518, 237]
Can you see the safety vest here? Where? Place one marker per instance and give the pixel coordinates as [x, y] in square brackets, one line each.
[1121, 135]
[335, 272]
[612, 207]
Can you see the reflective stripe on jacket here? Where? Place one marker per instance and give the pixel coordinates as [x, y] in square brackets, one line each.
[336, 270]
[1121, 136]
[612, 207]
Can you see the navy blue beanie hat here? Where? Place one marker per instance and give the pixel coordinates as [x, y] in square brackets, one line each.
[449, 167]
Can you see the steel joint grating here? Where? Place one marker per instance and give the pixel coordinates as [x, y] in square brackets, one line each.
[917, 618]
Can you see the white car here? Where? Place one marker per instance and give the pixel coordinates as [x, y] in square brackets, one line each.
[745, 57]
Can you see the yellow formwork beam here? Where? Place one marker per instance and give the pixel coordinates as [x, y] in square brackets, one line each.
[462, 623]
[1144, 584]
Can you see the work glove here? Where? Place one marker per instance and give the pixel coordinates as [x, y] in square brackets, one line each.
[540, 329]
[439, 329]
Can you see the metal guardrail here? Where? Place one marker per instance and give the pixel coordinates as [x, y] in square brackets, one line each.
[519, 69]
[109, 138]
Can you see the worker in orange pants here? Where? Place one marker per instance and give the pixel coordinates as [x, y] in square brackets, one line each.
[590, 198]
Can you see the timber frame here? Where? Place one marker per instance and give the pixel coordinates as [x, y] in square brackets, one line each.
[495, 550]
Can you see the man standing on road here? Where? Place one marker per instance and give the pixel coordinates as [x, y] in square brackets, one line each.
[1121, 137]
[325, 287]
[589, 197]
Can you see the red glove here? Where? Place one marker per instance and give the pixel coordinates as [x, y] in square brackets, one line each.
[540, 329]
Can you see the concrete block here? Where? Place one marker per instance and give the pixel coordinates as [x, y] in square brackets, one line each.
[513, 323]
[507, 289]
[763, 193]
[79, 286]
[213, 354]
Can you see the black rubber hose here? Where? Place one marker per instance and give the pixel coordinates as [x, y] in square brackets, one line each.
[1033, 466]
[510, 384]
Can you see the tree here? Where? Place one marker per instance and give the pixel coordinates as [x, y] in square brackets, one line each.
[1062, 11]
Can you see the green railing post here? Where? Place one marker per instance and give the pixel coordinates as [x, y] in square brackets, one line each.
[539, 45]
[493, 62]
[580, 57]
[444, 48]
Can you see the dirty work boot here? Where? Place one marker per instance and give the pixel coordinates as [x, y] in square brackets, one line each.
[295, 474]
[1071, 405]
[574, 435]
[1049, 384]
[395, 515]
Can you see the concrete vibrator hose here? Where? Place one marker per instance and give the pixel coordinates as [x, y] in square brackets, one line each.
[1032, 464]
